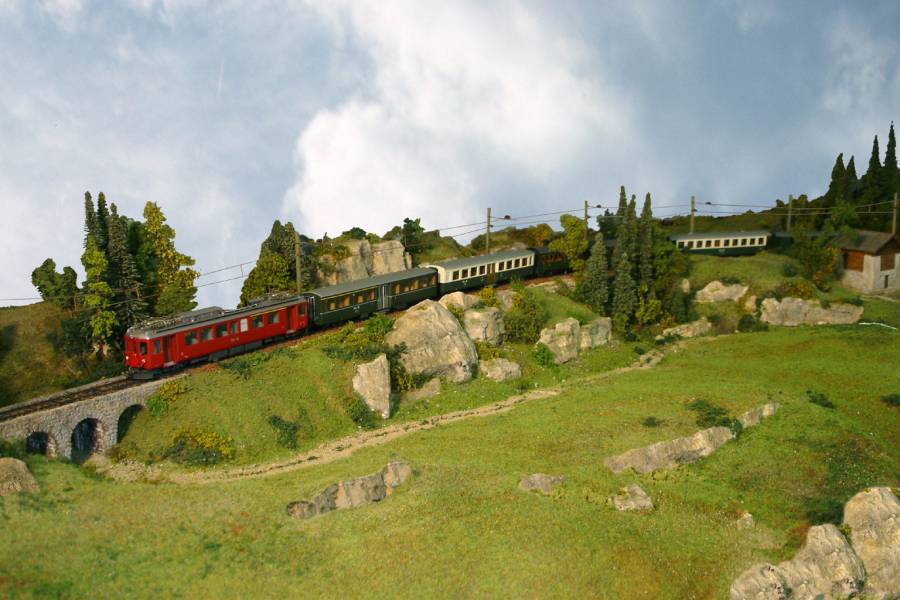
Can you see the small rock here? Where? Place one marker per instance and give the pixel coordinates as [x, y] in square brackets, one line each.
[688, 330]
[631, 497]
[563, 339]
[670, 454]
[353, 492]
[750, 304]
[459, 299]
[745, 521]
[540, 482]
[372, 381]
[484, 325]
[596, 333]
[500, 369]
[15, 477]
[716, 291]
[754, 416]
[760, 582]
[430, 389]
[873, 516]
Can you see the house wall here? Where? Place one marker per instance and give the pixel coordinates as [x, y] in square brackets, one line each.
[871, 278]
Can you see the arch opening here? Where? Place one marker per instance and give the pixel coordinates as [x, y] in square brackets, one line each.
[41, 442]
[87, 438]
[125, 420]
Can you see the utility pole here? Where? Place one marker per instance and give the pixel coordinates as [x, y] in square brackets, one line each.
[587, 227]
[487, 233]
[297, 253]
[693, 210]
[894, 225]
[790, 211]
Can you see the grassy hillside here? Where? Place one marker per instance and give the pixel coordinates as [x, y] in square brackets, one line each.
[461, 528]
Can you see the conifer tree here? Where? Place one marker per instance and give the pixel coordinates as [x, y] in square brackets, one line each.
[123, 274]
[891, 178]
[594, 286]
[838, 180]
[102, 233]
[631, 232]
[174, 278]
[624, 293]
[97, 294]
[872, 188]
[90, 218]
[269, 275]
[645, 245]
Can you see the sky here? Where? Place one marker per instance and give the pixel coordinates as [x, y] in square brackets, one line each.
[230, 114]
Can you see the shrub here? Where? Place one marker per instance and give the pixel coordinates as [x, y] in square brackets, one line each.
[651, 422]
[825, 303]
[713, 415]
[457, 311]
[157, 406]
[639, 350]
[525, 319]
[378, 326]
[749, 323]
[789, 270]
[363, 343]
[891, 399]
[795, 288]
[198, 447]
[544, 356]
[855, 301]
[243, 366]
[12, 449]
[360, 413]
[487, 351]
[819, 399]
[667, 339]
[286, 431]
[488, 297]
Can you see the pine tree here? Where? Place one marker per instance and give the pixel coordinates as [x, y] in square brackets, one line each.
[872, 189]
[97, 294]
[631, 233]
[645, 246]
[838, 181]
[594, 286]
[624, 293]
[891, 178]
[123, 275]
[102, 234]
[90, 218]
[174, 284]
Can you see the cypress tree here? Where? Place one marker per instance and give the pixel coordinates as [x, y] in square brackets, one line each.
[624, 293]
[891, 183]
[594, 286]
[631, 228]
[872, 190]
[90, 218]
[102, 234]
[123, 274]
[645, 245]
[838, 180]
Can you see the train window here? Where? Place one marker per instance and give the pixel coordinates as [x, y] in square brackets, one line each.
[516, 263]
[190, 338]
[481, 269]
[743, 241]
[332, 305]
[221, 329]
[726, 243]
[274, 318]
[762, 241]
[157, 347]
[257, 321]
[143, 347]
[206, 334]
[717, 242]
[234, 327]
[465, 273]
[455, 275]
[371, 295]
[734, 242]
[302, 310]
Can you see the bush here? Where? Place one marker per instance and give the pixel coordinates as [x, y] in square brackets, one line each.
[243, 366]
[639, 350]
[198, 447]
[457, 311]
[713, 415]
[789, 270]
[855, 301]
[488, 297]
[749, 323]
[819, 399]
[891, 399]
[487, 351]
[651, 422]
[544, 356]
[363, 343]
[360, 413]
[12, 449]
[287, 432]
[525, 319]
[156, 406]
[795, 288]
[667, 339]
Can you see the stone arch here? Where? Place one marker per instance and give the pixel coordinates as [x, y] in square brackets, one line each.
[87, 439]
[126, 419]
[41, 442]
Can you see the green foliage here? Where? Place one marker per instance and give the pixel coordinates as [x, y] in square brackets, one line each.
[749, 323]
[199, 447]
[543, 356]
[645, 246]
[818, 258]
[360, 413]
[97, 294]
[639, 350]
[270, 274]
[363, 343]
[378, 326]
[795, 288]
[891, 399]
[819, 399]
[168, 393]
[488, 297]
[488, 351]
[413, 236]
[678, 304]
[593, 289]
[789, 270]
[457, 311]
[123, 276]
[649, 311]
[624, 293]
[849, 467]
[157, 406]
[244, 366]
[524, 321]
[57, 288]
[288, 432]
[10, 449]
[713, 415]
[174, 277]
[573, 242]
[652, 422]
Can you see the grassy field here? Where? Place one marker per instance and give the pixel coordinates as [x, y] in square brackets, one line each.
[461, 528]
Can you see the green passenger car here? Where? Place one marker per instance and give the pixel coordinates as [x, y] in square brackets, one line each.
[362, 297]
[723, 243]
[548, 262]
[487, 269]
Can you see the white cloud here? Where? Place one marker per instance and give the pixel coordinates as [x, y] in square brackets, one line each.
[456, 87]
[66, 13]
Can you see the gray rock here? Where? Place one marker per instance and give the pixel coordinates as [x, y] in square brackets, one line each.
[506, 298]
[484, 325]
[792, 312]
[670, 454]
[754, 416]
[716, 291]
[825, 567]
[760, 582]
[15, 477]
[563, 339]
[430, 389]
[745, 521]
[436, 343]
[688, 330]
[500, 369]
[631, 497]
[873, 516]
[750, 304]
[596, 333]
[389, 257]
[353, 492]
[372, 381]
[459, 299]
[365, 260]
[540, 482]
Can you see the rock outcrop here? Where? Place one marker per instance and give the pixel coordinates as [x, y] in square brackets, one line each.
[750, 304]
[873, 516]
[354, 492]
[506, 299]
[792, 312]
[631, 497]
[596, 333]
[683, 450]
[500, 369]
[827, 566]
[688, 330]
[436, 343]
[484, 325]
[540, 482]
[366, 260]
[563, 339]
[432, 388]
[716, 291]
[372, 381]
[461, 300]
[15, 477]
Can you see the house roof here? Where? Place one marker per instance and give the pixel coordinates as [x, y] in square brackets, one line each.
[461, 263]
[870, 242]
[369, 282]
[715, 235]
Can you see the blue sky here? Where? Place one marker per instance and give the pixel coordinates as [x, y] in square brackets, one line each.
[335, 114]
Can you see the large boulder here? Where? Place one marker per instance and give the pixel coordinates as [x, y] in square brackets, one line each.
[688, 330]
[797, 311]
[540, 482]
[500, 369]
[372, 381]
[484, 325]
[436, 343]
[716, 291]
[365, 260]
[461, 300]
[15, 477]
[596, 333]
[430, 389]
[873, 516]
[825, 567]
[563, 339]
[631, 497]
[760, 582]
[354, 492]
[670, 454]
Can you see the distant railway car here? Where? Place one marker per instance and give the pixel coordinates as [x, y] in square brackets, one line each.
[723, 243]
[548, 262]
[362, 297]
[487, 269]
[211, 334]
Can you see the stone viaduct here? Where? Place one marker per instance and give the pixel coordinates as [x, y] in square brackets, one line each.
[81, 428]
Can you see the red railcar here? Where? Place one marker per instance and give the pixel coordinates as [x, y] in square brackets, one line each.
[212, 334]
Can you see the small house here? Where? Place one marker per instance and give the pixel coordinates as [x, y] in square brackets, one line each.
[869, 261]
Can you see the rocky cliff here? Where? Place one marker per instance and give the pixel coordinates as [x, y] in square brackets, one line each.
[365, 260]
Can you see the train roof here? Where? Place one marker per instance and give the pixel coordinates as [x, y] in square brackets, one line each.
[461, 263]
[714, 235]
[369, 282]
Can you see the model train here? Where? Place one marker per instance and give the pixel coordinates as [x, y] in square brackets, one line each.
[211, 334]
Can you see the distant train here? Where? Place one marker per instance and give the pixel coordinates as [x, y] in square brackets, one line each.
[211, 334]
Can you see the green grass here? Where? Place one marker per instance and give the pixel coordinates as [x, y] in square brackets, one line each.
[461, 528]
[560, 308]
[762, 272]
